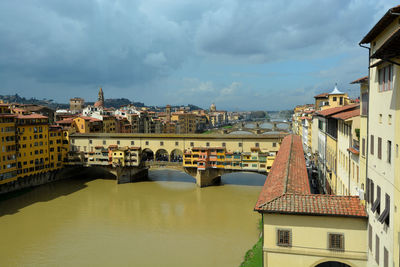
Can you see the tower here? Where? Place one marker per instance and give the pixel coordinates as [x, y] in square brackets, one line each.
[168, 111]
[100, 99]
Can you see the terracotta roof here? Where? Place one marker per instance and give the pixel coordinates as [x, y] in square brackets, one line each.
[321, 95]
[381, 25]
[65, 121]
[331, 111]
[360, 80]
[31, 116]
[305, 118]
[347, 114]
[287, 164]
[287, 190]
[327, 205]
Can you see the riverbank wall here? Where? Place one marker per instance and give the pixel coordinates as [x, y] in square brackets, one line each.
[44, 178]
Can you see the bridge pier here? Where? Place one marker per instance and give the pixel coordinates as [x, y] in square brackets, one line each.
[205, 177]
[130, 174]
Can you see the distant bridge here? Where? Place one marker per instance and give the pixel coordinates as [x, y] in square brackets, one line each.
[257, 129]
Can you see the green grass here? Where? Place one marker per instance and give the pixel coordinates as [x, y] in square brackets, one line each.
[227, 127]
[253, 257]
[207, 132]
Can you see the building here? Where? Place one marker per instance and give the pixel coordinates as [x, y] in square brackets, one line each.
[84, 124]
[76, 105]
[8, 158]
[383, 138]
[304, 229]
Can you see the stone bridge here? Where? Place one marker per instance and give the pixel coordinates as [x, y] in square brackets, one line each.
[167, 150]
[257, 129]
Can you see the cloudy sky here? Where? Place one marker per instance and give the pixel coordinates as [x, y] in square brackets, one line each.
[241, 55]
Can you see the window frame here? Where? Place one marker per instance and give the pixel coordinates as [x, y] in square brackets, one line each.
[342, 241]
[289, 237]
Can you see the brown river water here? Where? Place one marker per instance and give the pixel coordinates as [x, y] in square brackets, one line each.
[166, 221]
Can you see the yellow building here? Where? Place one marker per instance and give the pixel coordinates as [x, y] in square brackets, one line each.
[8, 158]
[109, 124]
[382, 156]
[304, 229]
[58, 147]
[87, 125]
[33, 147]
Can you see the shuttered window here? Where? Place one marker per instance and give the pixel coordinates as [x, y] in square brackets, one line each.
[372, 145]
[385, 258]
[389, 151]
[377, 203]
[370, 237]
[379, 148]
[385, 216]
[377, 249]
[363, 147]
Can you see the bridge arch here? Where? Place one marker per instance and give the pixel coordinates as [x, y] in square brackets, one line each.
[331, 263]
[162, 155]
[176, 155]
[147, 154]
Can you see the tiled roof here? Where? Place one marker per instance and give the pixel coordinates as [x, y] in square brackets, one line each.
[321, 95]
[328, 205]
[287, 165]
[287, 190]
[331, 111]
[31, 116]
[347, 114]
[65, 121]
[360, 80]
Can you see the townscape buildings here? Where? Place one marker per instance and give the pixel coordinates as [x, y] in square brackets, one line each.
[352, 147]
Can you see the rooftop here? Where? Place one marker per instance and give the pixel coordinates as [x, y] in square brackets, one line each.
[360, 80]
[347, 114]
[381, 25]
[332, 111]
[31, 116]
[323, 95]
[287, 189]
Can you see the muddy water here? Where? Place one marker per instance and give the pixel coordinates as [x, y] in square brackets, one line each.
[166, 221]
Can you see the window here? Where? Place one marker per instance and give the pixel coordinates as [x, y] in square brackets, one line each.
[147, 143]
[385, 78]
[377, 249]
[341, 100]
[207, 144]
[132, 143]
[257, 144]
[284, 238]
[380, 118]
[176, 143]
[223, 144]
[370, 237]
[385, 257]
[390, 119]
[376, 206]
[161, 143]
[334, 99]
[336, 242]
[363, 147]
[90, 141]
[385, 216]
[372, 145]
[273, 144]
[191, 143]
[389, 151]
[364, 104]
[379, 148]
[104, 142]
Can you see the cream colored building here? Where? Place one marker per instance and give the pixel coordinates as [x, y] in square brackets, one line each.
[383, 163]
[304, 229]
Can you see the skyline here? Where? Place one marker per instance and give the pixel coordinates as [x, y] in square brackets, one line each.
[178, 53]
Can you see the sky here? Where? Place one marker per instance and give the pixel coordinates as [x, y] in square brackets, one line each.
[240, 55]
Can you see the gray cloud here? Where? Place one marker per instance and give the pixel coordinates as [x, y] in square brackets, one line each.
[139, 49]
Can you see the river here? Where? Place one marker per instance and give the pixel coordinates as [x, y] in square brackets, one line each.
[166, 221]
